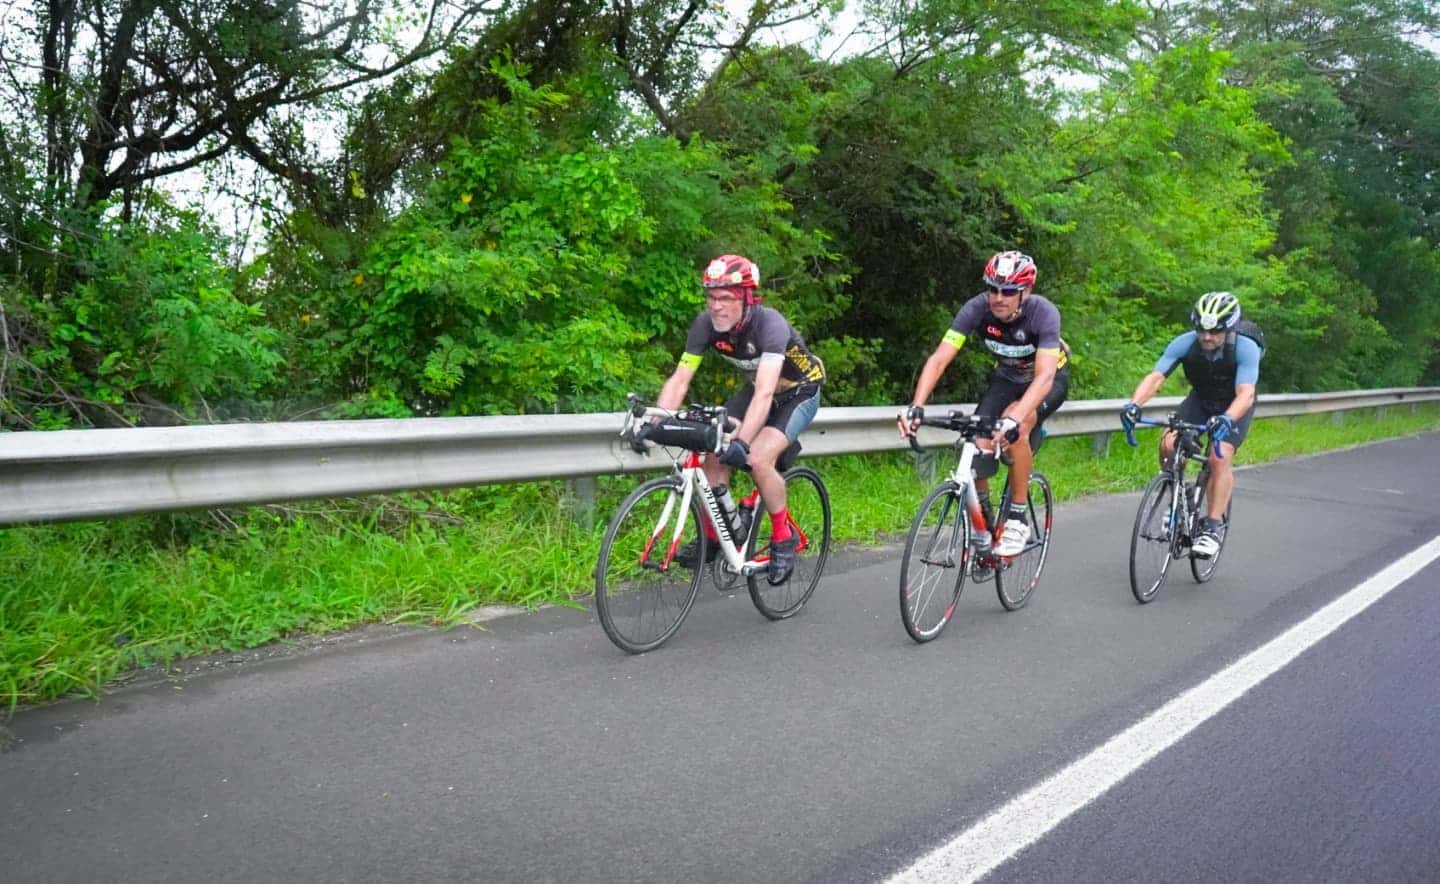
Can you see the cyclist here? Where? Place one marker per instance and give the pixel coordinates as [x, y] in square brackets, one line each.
[1030, 380]
[779, 402]
[1221, 358]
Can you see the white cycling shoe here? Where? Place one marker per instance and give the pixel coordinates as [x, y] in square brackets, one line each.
[1012, 539]
[1206, 545]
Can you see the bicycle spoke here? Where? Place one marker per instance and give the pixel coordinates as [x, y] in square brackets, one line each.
[1021, 573]
[808, 503]
[933, 570]
[641, 602]
[1150, 542]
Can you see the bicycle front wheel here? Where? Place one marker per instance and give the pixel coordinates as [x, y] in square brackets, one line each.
[1017, 577]
[937, 555]
[1151, 541]
[809, 504]
[640, 597]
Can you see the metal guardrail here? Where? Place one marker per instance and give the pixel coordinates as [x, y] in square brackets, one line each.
[83, 474]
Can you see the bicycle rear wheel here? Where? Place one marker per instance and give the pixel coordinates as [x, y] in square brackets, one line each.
[1016, 577]
[1152, 539]
[640, 599]
[936, 550]
[1203, 569]
[809, 504]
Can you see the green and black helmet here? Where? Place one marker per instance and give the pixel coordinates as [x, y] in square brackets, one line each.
[1215, 311]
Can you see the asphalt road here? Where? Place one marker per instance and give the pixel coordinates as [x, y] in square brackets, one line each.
[825, 748]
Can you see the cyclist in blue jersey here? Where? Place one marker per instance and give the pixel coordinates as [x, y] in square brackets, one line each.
[1022, 331]
[1221, 357]
[780, 400]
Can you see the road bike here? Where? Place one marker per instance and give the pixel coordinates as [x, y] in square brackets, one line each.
[642, 594]
[950, 538]
[1170, 513]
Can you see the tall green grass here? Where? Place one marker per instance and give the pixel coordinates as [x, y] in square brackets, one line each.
[81, 603]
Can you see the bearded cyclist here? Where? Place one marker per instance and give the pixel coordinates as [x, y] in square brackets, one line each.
[1022, 331]
[779, 402]
[1221, 357]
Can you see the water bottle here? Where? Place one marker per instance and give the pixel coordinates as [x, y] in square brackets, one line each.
[728, 510]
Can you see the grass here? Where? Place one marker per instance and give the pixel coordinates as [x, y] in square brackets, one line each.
[84, 602]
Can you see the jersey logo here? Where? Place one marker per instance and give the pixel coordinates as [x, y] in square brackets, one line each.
[749, 349]
[1020, 335]
[724, 346]
[993, 331]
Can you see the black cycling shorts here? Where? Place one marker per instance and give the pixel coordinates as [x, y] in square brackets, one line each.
[782, 408]
[1194, 410]
[1003, 391]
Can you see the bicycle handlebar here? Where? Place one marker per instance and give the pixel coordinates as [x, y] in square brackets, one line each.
[968, 426]
[639, 416]
[1171, 423]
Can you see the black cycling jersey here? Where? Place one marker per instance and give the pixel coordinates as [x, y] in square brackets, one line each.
[1015, 343]
[765, 334]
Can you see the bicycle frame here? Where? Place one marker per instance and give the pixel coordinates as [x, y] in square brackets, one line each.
[963, 475]
[964, 478]
[1181, 517]
[690, 468]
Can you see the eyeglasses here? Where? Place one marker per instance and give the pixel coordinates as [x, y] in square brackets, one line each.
[1003, 292]
[1209, 331]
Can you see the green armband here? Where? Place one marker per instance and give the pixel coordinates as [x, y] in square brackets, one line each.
[954, 338]
[690, 360]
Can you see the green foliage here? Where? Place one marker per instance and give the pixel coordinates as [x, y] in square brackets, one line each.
[540, 269]
[152, 318]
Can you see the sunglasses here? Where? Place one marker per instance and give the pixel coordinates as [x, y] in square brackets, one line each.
[1004, 292]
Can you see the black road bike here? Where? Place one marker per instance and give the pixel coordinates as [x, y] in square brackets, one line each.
[950, 538]
[642, 594]
[1171, 511]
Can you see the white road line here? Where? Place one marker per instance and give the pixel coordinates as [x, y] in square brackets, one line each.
[978, 850]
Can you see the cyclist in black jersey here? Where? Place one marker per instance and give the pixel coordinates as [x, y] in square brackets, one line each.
[779, 402]
[1022, 331]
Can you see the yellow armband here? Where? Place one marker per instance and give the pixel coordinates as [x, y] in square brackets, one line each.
[954, 338]
[690, 360]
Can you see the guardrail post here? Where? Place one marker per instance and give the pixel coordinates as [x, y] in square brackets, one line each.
[582, 501]
[1337, 418]
[1101, 443]
[925, 463]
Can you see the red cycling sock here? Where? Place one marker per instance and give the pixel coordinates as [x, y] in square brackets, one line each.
[780, 526]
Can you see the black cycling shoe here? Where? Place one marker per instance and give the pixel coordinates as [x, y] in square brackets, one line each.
[688, 555]
[782, 560]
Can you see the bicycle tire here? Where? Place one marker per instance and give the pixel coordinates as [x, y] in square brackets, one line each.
[629, 589]
[808, 501]
[1152, 532]
[1022, 572]
[1203, 569]
[920, 592]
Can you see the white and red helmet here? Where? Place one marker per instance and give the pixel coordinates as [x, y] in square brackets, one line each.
[1010, 270]
[733, 272]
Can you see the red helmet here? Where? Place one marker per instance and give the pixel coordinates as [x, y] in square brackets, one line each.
[1010, 270]
[733, 272]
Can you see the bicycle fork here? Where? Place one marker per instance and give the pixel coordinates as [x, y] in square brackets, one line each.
[969, 508]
